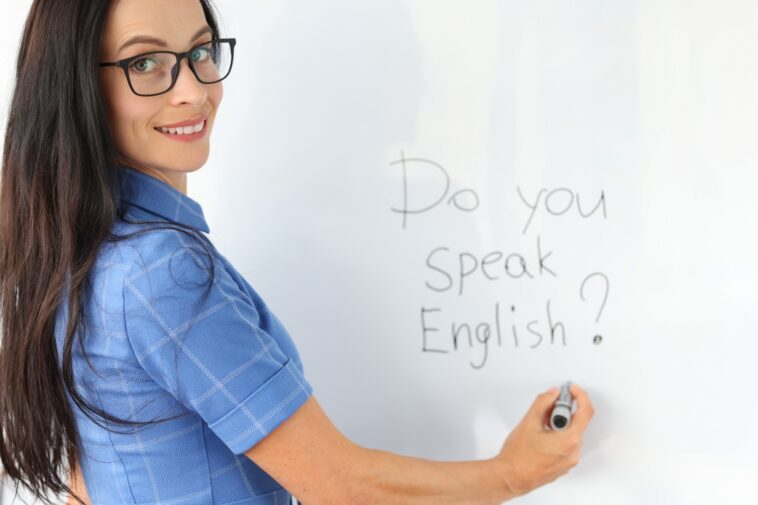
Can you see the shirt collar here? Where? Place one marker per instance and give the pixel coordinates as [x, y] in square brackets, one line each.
[158, 197]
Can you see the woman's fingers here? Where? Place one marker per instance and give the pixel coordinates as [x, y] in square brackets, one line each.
[584, 410]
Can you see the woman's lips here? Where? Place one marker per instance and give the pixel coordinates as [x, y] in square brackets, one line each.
[185, 137]
[188, 122]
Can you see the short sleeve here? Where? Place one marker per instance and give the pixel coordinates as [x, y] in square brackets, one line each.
[202, 342]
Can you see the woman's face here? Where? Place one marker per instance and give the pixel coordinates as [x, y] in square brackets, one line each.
[136, 121]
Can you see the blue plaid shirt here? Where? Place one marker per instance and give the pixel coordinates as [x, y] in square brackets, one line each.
[162, 341]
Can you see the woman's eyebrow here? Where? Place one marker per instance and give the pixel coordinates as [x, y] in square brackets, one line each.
[145, 39]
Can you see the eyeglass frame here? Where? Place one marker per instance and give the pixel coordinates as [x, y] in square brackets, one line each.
[124, 64]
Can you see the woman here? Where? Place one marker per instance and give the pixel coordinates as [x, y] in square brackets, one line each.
[133, 354]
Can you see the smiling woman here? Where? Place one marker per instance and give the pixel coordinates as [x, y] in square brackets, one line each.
[137, 366]
[183, 88]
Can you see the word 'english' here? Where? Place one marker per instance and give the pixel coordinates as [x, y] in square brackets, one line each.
[472, 336]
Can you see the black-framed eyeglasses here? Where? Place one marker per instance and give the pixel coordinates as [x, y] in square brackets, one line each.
[156, 72]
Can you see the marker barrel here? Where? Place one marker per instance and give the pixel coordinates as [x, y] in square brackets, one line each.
[560, 417]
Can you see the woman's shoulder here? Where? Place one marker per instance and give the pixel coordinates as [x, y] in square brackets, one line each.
[168, 259]
[145, 244]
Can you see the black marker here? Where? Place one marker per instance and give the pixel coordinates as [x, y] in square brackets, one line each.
[560, 418]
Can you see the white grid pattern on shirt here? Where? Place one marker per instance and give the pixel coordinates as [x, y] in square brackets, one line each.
[218, 384]
[265, 348]
[116, 365]
[193, 358]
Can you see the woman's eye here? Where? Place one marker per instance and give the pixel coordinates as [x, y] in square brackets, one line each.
[200, 54]
[143, 65]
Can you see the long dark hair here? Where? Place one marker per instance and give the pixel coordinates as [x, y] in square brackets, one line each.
[60, 196]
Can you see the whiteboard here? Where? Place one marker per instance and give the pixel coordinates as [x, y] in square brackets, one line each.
[613, 140]
[649, 105]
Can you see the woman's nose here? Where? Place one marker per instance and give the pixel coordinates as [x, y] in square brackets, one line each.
[187, 88]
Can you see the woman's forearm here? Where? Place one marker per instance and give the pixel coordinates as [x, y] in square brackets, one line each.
[385, 478]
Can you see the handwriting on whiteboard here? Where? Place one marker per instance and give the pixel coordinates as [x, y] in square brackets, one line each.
[427, 188]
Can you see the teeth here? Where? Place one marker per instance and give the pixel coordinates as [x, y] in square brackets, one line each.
[184, 130]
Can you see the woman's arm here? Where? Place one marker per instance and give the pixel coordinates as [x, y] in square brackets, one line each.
[308, 456]
[76, 483]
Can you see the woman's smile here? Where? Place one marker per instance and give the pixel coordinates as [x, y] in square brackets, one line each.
[186, 131]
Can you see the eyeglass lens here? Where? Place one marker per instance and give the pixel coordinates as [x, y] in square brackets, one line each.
[152, 73]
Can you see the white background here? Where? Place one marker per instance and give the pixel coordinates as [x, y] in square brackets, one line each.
[651, 103]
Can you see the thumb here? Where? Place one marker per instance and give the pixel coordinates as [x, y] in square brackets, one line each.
[538, 412]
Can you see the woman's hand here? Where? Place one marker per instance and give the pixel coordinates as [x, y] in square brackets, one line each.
[533, 456]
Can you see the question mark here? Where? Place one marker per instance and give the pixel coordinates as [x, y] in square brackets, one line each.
[598, 338]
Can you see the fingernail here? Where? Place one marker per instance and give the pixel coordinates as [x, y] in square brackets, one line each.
[552, 390]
